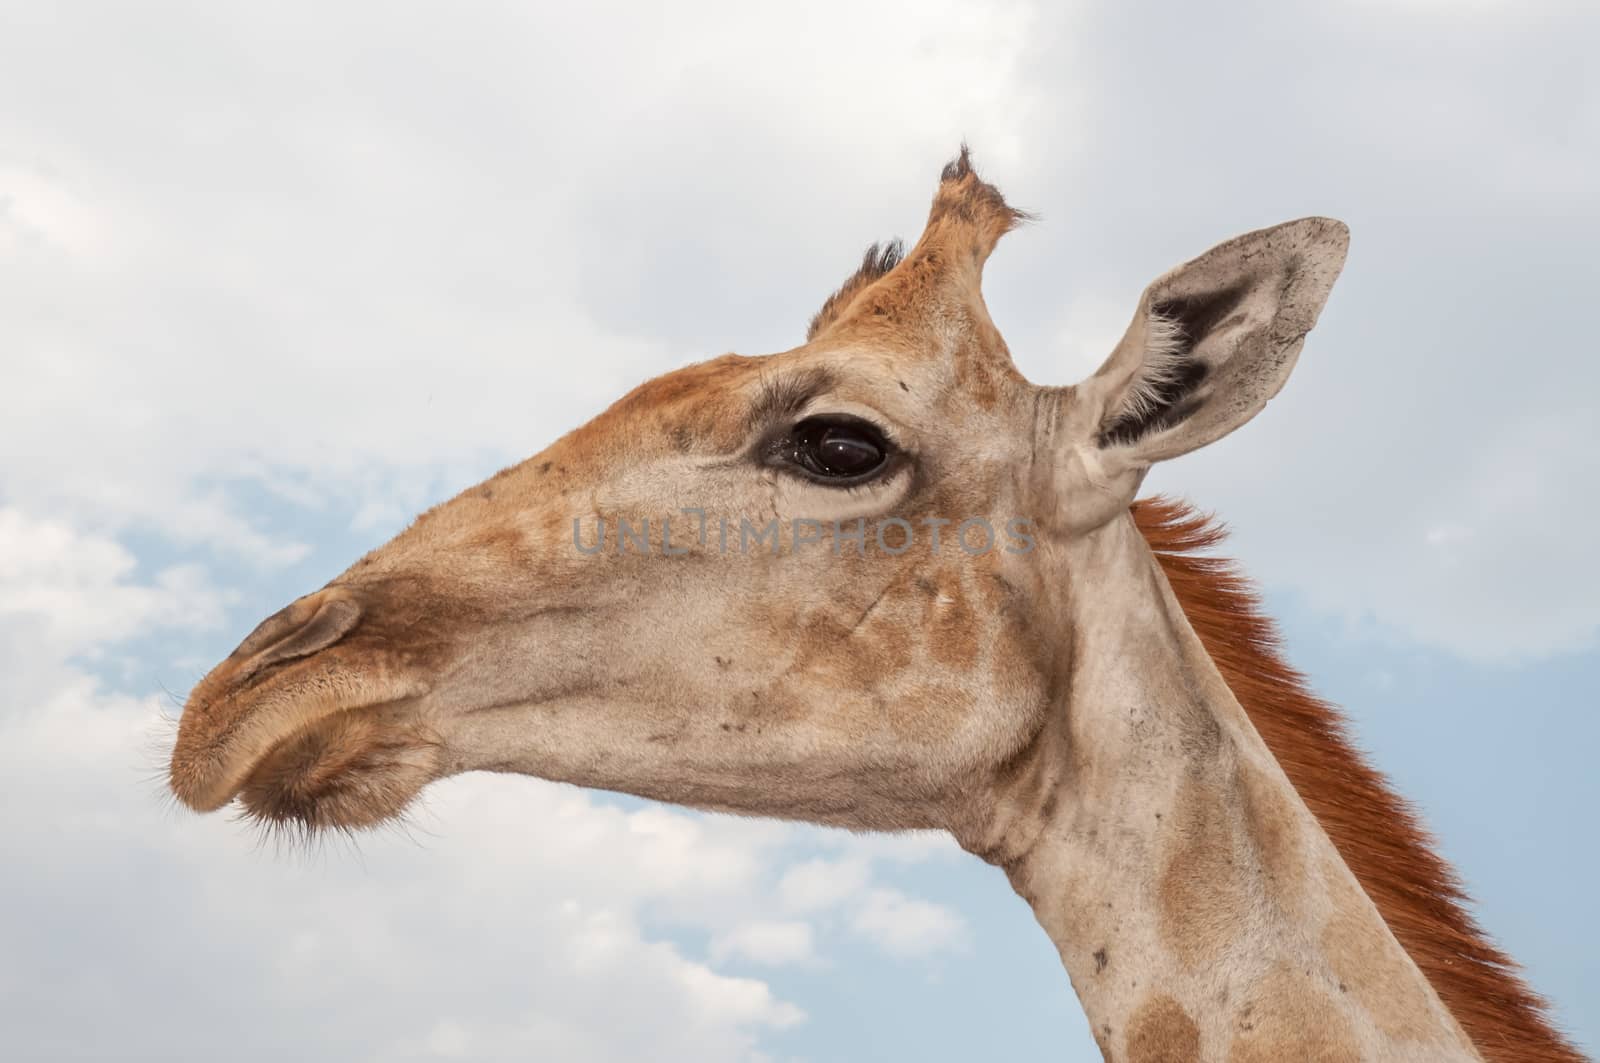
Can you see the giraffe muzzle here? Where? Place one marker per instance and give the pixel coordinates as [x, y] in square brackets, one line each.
[274, 686]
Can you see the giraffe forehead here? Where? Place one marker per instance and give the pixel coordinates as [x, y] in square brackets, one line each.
[716, 405]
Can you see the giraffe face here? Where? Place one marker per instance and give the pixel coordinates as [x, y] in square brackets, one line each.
[807, 568]
[823, 584]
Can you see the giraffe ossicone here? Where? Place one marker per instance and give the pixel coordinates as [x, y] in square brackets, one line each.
[1100, 714]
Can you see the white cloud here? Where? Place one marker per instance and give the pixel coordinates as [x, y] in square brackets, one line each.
[882, 915]
[772, 942]
[907, 926]
[79, 589]
[817, 884]
[37, 210]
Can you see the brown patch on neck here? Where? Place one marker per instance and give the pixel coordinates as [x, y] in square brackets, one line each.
[1203, 883]
[1376, 832]
[1273, 825]
[1288, 1016]
[1162, 1032]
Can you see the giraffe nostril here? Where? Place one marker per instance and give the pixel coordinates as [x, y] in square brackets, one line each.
[313, 623]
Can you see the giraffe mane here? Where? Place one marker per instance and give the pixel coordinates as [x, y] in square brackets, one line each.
[1377, 832]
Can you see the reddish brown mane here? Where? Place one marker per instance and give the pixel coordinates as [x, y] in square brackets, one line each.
[1374, 829]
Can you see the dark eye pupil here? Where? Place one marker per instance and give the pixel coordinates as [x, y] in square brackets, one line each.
[837, 449]
[845, 452]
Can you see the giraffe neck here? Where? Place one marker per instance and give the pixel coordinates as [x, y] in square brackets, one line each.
[1199, 908]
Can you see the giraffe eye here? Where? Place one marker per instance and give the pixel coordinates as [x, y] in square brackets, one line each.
[838, 450]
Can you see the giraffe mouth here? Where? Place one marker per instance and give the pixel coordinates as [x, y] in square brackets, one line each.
[353, 769]
[313, 743]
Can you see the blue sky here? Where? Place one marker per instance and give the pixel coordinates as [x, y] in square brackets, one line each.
[271, 281]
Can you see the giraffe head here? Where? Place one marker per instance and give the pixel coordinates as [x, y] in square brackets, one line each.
[820, 584]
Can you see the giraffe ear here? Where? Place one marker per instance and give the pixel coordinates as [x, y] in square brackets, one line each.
[1211, 342]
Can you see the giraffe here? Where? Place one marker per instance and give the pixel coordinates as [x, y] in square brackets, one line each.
[881, 581]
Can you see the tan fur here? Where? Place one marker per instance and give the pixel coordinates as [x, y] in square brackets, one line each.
[1288, 1016]
[1162, 1032]
[1071, 713]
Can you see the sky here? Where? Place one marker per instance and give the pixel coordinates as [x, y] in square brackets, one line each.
[273, 278]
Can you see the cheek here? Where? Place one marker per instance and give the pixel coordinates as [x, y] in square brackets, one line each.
[861, 646]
